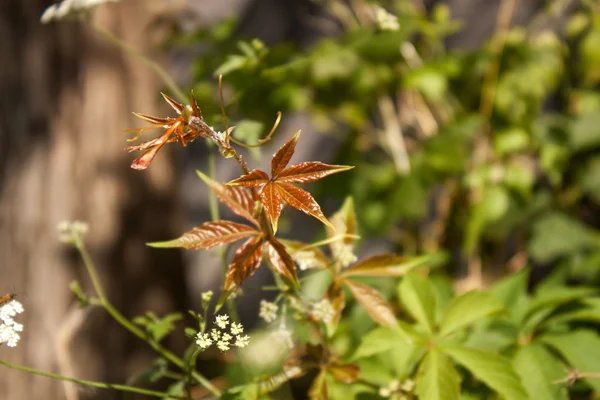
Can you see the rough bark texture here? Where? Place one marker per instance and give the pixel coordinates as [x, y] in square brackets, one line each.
[65, 96]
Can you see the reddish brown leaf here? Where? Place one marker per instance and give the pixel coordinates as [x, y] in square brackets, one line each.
[142, 162]
[209, 234]
[281, 260]
[301, 200]
[284, 154]
[345, 373]
[378, 308]
[238, 199]
[318, 389]
[245, 261]
[255, 178]
[381, 265]
[177, 106]
[309, 171]
[272, 202]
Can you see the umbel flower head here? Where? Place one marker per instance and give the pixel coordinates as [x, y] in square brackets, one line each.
[184, 129]
[9, 328]
[221, 338]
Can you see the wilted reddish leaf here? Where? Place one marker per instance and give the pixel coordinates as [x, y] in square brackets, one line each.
[393, 265]
[245, 261]
[255, 178]
[238, 199]
[284, 154]
[209, 234]
[345, 373]
[309, 171]
[318, 389]
[378, 308]
[301, 200]
[272, 202]
[281, 260]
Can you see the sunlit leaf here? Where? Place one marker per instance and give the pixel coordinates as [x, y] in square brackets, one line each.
[344, 222]
[492, 369]
[539, 370]
[283, 156]
[272, 202]
[345, 373]
[418, 297]
[376, 305]
[255, 178]
[438, 379]
[379, 340]
[245, 261]
[301, 200]
[281, 260]
[239, 200]
[468, 308]
[393, 265]
[318, 389]
[309, 171]
[208, 235]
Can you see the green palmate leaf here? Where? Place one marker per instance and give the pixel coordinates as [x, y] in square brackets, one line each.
[512, 291]
[539, 369]
[588, 311]
[379, 340]
[438, 380]
[581, 348]
[378, 308]
[468, 308]
[208, 235]
[493, 370]
[418, 297]
[392, 265]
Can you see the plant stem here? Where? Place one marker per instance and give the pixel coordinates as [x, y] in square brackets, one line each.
[126, 47]
[120, 318]
[101, 385]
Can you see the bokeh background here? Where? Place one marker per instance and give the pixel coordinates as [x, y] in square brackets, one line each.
[474, 127]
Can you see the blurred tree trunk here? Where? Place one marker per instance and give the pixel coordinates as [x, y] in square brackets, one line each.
[65, 96]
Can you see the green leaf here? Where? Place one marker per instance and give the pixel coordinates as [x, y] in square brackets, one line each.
[539, 369]
[379, 340]
[160, 328]
[589, 311]
[584, 132]
[557, 235]
[468, 308]
[512, 291]
[581, 349]
[418, 297]
[392, 265]
[438, 380]
[492, 369]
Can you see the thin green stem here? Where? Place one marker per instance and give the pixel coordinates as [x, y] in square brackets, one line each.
[160, 71]
[121, 319]
[101, 385]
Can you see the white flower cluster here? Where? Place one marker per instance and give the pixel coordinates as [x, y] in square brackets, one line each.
[221, 338]
[343, 253]
[268, 311]
[8, 326]
[385, 20]
[398, 389]
[283, 336]
[70, 8]
[305, 259]
[70, 231]
[323, 311]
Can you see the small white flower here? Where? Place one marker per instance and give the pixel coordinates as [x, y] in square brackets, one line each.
[283, 336]
[236, 329]
[323, 311]
[305, 260]
[342, 252]
[8, 326]
[207, 296]
[69, 232]
[203, 340]
[223, 345]
[385, 20]
[70, 8]
[226, 337]
[222, 321]
[268, 311]
[215, 334]
[242, 341]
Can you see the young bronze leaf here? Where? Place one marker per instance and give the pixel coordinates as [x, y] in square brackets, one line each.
[255, 178]
[271, 200]
[309, 171]
[245, 261]
[393, 265]
[143, 161]
[284, 154]
[301, 200]
[281, 260]
[345, 373]
[209, 234]
[318, 389]
[378, 308]
[238, 199]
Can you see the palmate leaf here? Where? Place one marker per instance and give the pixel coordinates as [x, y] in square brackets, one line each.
[245, 261]
[302, 200]
[468, 308]
[208, 235]
[254, 179]
[438, 380]
[318, 389]
[345, 373]
[393, 265]
[418, 297]
[539, 370]
[284, 155]
[272, 202]
[309, 171]
[281, 260]
[378, 308]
